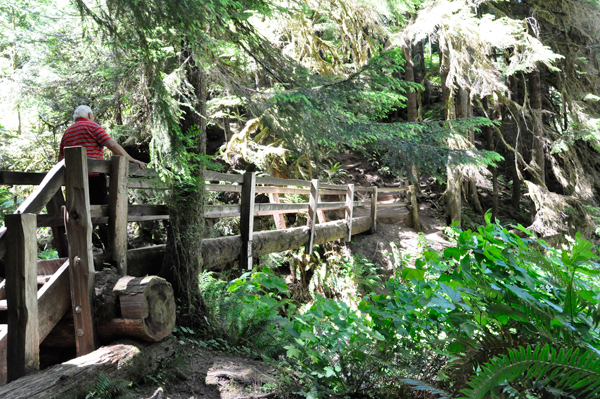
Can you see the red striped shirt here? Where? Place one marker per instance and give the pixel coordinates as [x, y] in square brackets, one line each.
[87, 134]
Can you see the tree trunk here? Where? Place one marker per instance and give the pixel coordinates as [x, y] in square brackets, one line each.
[412, 114]
[183, 261]
[537, 148]
[453, 193]
[516, 185]
[490, 145]
[464, 109]
[421, 53]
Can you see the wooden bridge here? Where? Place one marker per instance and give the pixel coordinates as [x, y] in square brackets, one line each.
[36, 295]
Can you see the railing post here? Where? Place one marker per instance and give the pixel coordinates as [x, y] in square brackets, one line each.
[374, 209]
[23, 354]
[415, 209]
[278, 218]
[79, 230]
[312, 215]
[247, 219]
[117, 216]
[60, 240]
[349, 210]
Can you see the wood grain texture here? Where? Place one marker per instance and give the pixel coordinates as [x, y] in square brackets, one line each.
[374, 209]
[21, 178]
[349, 211]
[54, 300]
[311, 220]
[52, 182]
[149, 299]
[21, 296]
[71, 379]
[247, 219]
[81, 259]
[58, 232]
[117, 210]
[278, 218]
[218, 251]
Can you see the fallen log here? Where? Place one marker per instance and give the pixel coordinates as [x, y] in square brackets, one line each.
[217, 251]
[127, 360]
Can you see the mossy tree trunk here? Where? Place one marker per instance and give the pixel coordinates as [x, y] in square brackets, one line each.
[183, 260]
[453, 194]
[411, 109]
[516, 179]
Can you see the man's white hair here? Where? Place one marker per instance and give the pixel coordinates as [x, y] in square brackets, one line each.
[82, 112]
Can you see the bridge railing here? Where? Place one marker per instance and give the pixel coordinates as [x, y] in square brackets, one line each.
[26, 329]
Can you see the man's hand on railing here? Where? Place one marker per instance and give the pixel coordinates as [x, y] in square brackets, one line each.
[142, 164]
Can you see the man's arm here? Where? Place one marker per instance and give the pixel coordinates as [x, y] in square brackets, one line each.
[118, 150]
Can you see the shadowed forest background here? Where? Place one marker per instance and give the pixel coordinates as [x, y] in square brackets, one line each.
[490, 107]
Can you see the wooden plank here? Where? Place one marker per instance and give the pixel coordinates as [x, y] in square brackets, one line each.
[146, 184]
[272, 209]
[9, 178]
[295, 182]
[54, 300]
[3, 348]
[349, 210]
[374, 209]
[136, 170]
[49, 266]
[210, 175]
[393, 205]
[98, 166]
[278, 218]
[312, 215]
[81, 259]
[234, 188]
[103, 166]
[224, 188]
[222, 211]
[2, 242]
[98, 211]
[51, 220]
[247, 219]
[117, 209]
[23, 353]
[392, 189]
[365, 189]
[45, 191]
[58, 232]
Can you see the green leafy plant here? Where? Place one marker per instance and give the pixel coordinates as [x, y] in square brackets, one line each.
[108, 388]
[571, 370]
[246, 311]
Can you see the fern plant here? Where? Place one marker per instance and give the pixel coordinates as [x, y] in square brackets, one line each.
[571, 370]
[108, 388]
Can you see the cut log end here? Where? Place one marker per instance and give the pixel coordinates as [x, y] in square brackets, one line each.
[149, 304]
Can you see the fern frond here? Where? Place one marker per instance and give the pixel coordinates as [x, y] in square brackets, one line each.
[569, 370]
[416, 385]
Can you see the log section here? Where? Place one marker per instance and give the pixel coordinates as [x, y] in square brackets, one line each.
[127, 360]
[217, 251]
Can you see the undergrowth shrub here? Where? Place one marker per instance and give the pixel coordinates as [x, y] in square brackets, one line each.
[247, 311]
[496, 315]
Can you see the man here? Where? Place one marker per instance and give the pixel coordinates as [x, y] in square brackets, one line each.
[87, 133]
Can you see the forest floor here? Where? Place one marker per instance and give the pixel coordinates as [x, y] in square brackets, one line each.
[198, 372]
[202, 373]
